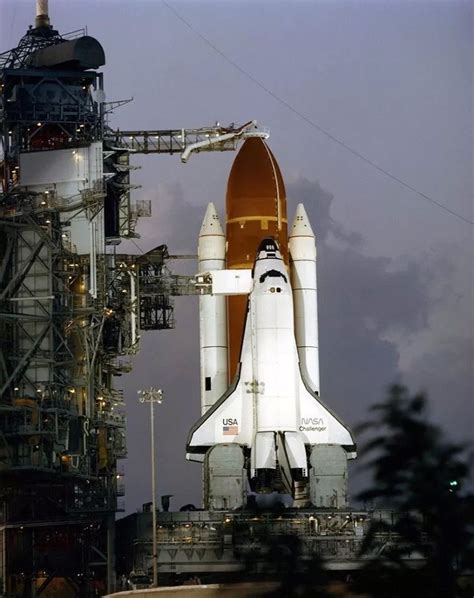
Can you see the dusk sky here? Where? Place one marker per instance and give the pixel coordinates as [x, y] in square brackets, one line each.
[393, 80]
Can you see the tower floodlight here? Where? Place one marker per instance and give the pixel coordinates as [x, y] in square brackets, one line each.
[152, 395]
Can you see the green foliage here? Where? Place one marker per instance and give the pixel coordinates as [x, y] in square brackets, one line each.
[422, 476]
[280, 558]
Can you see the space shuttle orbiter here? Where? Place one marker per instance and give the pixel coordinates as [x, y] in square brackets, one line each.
[259, 332]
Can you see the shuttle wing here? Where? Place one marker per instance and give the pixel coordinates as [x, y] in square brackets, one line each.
[318, 424]
[229, 420]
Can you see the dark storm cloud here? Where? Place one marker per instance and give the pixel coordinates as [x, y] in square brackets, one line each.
[318, 201]
[446, 373]
[440, 359]
[174, 221]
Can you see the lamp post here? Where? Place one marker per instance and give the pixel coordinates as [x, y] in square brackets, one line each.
[152, 396]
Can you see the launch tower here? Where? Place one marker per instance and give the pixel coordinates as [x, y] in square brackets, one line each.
[61, 427]
[71, 307]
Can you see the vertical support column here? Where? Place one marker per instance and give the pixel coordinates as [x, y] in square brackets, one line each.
[110, 554]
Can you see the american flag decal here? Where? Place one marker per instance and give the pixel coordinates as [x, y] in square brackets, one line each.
[230, 430]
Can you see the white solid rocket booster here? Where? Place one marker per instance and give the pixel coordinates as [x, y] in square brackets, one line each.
[212, 314]
[302, 247]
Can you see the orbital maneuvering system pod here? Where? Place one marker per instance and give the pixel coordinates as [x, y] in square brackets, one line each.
[263, 425]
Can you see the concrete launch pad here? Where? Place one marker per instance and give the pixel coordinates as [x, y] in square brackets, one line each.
[243, 590]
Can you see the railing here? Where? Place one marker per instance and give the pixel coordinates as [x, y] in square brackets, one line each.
[111, 419]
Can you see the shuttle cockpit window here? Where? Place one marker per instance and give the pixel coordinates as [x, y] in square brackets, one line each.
[272, 274]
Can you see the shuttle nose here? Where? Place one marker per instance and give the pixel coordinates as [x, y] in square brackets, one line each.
[267, 246]
[269, 249]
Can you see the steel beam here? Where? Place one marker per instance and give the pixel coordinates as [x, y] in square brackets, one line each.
[22, 364]
[16, 281]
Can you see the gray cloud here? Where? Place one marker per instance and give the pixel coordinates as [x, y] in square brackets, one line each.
[440, 358]
[318, 202]
[445, 372]
[175, 221]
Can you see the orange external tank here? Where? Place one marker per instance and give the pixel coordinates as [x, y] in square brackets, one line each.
[255, 210]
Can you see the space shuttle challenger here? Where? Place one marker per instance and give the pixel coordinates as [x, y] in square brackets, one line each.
[263, 425]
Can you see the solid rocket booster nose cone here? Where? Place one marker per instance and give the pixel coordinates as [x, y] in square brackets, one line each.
[211, 224]
[301, 226]
[211, 242]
